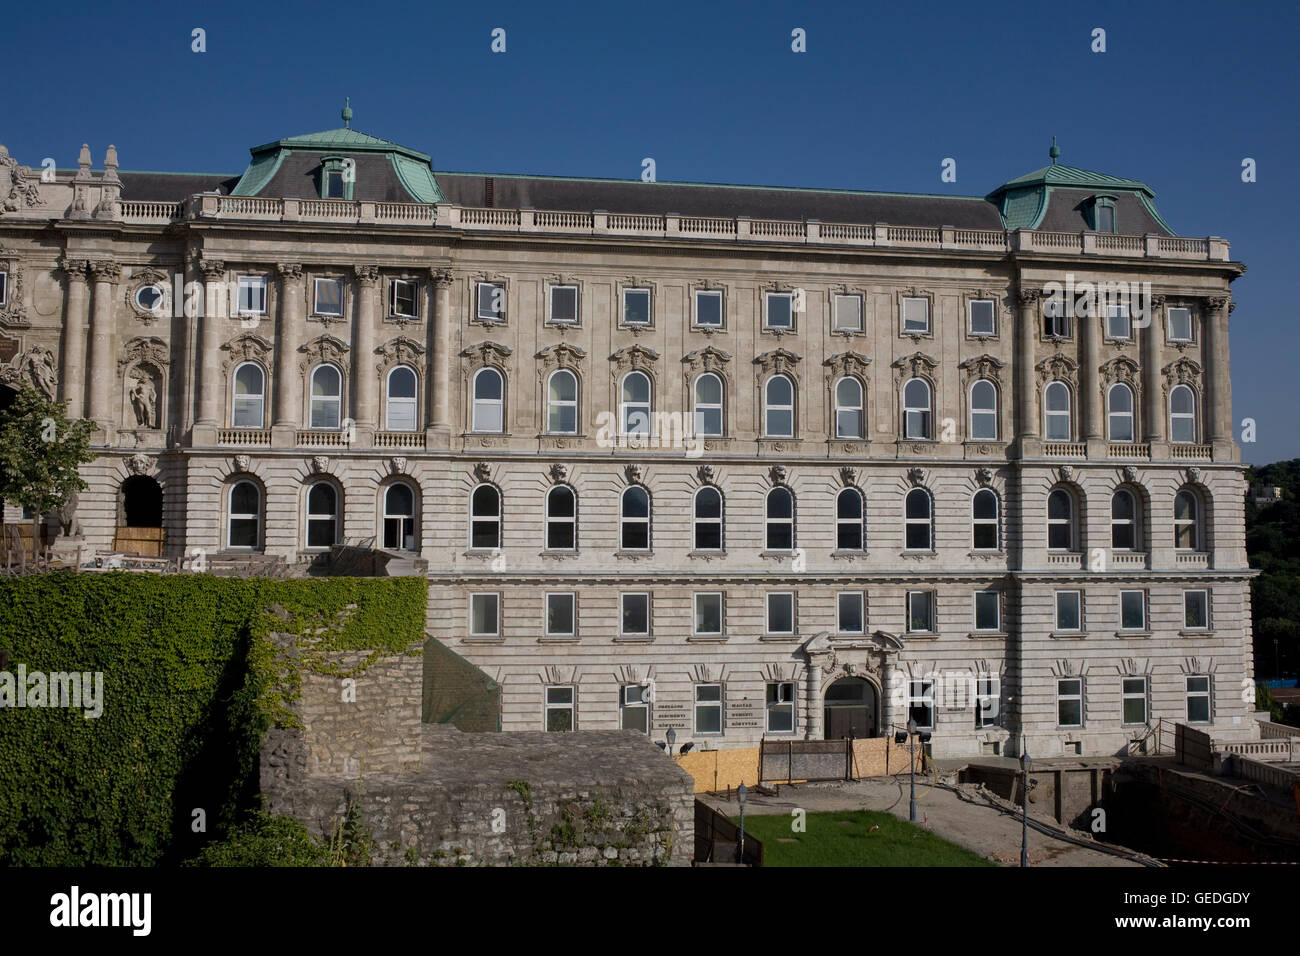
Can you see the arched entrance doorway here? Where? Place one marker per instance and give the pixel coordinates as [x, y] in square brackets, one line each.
[139, 518]
[851, 709]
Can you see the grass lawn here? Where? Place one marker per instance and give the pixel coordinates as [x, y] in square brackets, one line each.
[846, 839]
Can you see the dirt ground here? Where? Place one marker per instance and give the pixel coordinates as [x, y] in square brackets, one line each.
[972, 824]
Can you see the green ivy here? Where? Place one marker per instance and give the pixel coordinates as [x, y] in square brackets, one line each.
[192, 680]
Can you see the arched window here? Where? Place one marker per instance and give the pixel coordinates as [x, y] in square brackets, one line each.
[562, 403]
[984, 521]
[634, 408]
[326, 397]
[916, 520]
[1125, 523]
[848, 520]
[485, 517]
[1060, 521]
[916, 408]
[1182, 414]
[402, 391]
[984, 411]
[322, 515]
[708, 406]
[708, 519]
[489, 401]
[778, 407]
[1187, 521]
[561, 519]
[399, 517]
[1056, 412]
[634, 519]
[780, 520]
[849, 418]
[1119, 413]
[249, 410]
[244, 517]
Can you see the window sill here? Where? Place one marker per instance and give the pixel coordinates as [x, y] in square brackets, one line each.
[987, 553]
[988, 635]
[849, 555]
[633, 555]
[1126, 634]
[708, 328]
[779, 555]
[779, 639]
[568, 639]
[1196, 632]
[557, 554]
[1068, 635]
[921, 635]
[707, 639]
[483, 552]
[919, 554]
[484, 640]
[634, 639]
[849, 332]
[706, 555]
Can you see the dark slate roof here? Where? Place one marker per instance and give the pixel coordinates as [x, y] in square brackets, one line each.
[702, 199]
[298, 177]
[1066, 212]
[172, 187]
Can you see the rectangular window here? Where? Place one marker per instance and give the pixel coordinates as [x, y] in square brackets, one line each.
[1118, 324]
[708, 613]
[561, 614]
[780, 707]
[1196, 610]
[335, 187]
[848, 313]
[252, 295]
[1069, 616]
[708, 708]
[1069, 702]
[636, 306]
[564, 304]
[779, 313]
[780, 612]
[849, 612]
[1056, 321]
[491, 302]
[1105, 218]
[401, 298]
[988, 694]
[1198, 700]
[987, 611]
[1132, 610]
[634, 708]
[559, 708]
[708, 309]
[920, 611]
[920, 703]
[484, 619]
[1180, 325]
[983, 317]
[916, 315]
[635, 615]
[1135, 700]
[329, 297]
[4, 288]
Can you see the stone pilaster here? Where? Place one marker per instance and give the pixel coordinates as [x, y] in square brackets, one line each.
[106, 274]
[1026, 333]
[365, 382]
[1218, 385]
[211, 386]
[440, 361]
[73, 373]
[288, 386]
[1152, 393]
[813, 723]
[1092, 420]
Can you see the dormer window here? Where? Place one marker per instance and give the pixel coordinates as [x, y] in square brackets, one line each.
[337, 177]
[1101, 213]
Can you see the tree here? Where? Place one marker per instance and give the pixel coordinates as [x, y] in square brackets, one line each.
[40, 452]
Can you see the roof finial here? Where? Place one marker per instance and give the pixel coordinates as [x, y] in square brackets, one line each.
[347, 112]
[1054, 151]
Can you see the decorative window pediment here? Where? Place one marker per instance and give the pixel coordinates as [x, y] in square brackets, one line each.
[483, 355]
[12, 313]
[635, 357]
[244, 348]
[777, 361]
[150, 349]
[916, 365]
[982, 366]
[1121, 369]
[847, 363]
[322, 349]
[1057, 367]
[563, 355]
[707, 359]
[399, 351]
[1182, 371]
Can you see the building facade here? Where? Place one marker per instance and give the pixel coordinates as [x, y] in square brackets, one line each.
[732, 461]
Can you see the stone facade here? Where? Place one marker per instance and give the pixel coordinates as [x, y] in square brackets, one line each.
[337, 401]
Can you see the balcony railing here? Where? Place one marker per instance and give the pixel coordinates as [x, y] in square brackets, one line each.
[243, 436]
[1191, 559]
[1065, 449]
[399, 440]
[321, 439]
[671, 225]
[1191, 452]
[1128, 559]
[1121, 449]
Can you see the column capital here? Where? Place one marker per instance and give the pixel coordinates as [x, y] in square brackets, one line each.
[1028, 296]
[367, 275]
[441, 277]
[212, 268]
[74, 268]
[1232, 305]
[1216, 302]
[289, 270]
[1157, 300]
[106, 270]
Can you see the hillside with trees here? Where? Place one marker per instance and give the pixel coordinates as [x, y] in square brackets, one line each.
[1273, 544]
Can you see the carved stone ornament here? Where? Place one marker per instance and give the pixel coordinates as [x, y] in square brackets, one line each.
[248, 347]
[319, 463]
[707, 359]
[1028, 296]
[1121, 369]
[1057, 367]
[563, 355]
[483, 471]
[777, 362]
[323, 349]
[633, 473]
[558, 472]
[705, 474]
[242, 462]
[139, 280]
[916, 476]
[12, 314]
[367, 275]
[1130, 473]
[484, 354]
[1181, 371]
[1066, 472]
[848, 476]
[399, 351]
[398, 464]
[916, 365]
[847, 363]
[640, 357]
[144, 349]
[778, 474]
[982, 366]
[139, 464]
[984, 475]
[19, 187]
[1195, 476]
[440, 277]
[35, 366]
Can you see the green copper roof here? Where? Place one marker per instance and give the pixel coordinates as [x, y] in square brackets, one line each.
[341, 139]
[417, 177]
[1056, 175]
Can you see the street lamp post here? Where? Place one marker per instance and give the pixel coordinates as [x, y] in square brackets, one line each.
[1024, 806]
[740, 847]
[911, 750]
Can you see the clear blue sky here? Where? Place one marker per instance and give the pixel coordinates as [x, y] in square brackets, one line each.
[713, 92]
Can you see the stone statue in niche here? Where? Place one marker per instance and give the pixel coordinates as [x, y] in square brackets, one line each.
[144, 399]
[39, 363]
[68, 516]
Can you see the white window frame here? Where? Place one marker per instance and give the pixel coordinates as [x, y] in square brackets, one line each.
[569, 597]
[624, 522]
[920, 695]
[393, 286]
[786, 700]
[315, 296]
[860, 409]
[498, 519]
[767, 622]
[1056, 321]
[722, 611]
[1065, 697]
[1078, 610]
[480, 407]
[988, 688]
[993, 318]
[247, 399]
[997, 611]
[412, 403]
[1050, 413]
[1126, 695]
[977, 523]
[700, 406]
[1194, 522]
[926, 412]
[560, 404]
[560, 706]
[1115, 313]
[550, 304]
[326, 401]
[637, 703]
[492, 598]
[1175, 417]
[984, 413]
[929, 598]
[1144, 626]
[1170, 335]
[550, 520]
[622, 614]
[767, 310]
[1068, 521]
[1207, 693]
[770, 407]
[722, 304]
[1205, 600]
[636, 406]
[836, 324]
[858, 523]
[246, 283]
[769, 522]
[320, 517]
[402, 519]
[233, 516]
[1134, 523]
[649, 311]
[1129, 415]
[708, 705]
[927, 521]
[489, 315]
[856, 598]
[905, 319]
[720, 521]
